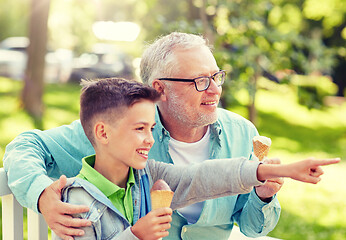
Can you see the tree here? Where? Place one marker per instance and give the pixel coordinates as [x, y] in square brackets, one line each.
[34, 82]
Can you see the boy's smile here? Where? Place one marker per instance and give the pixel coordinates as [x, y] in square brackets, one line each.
[143, 152]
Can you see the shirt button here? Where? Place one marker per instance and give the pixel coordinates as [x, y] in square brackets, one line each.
[98, 210]
[184, 229]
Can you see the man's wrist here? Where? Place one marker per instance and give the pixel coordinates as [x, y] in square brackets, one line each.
[38, 186]
[264, 199]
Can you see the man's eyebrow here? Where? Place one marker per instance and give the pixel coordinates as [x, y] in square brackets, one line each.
[208, 75]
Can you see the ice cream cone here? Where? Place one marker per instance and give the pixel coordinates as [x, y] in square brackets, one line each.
[161, 195]
[261, 146]
[161, 198]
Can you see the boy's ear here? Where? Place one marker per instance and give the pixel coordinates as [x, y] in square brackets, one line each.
[161, 88]
[100, 132]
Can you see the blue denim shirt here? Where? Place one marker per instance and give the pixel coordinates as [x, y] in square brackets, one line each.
[107, 221]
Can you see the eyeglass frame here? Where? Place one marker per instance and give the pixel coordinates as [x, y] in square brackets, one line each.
[212, 77]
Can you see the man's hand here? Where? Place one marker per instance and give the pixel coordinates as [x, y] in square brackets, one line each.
[57, 213]
[154, 225]
[272, 186]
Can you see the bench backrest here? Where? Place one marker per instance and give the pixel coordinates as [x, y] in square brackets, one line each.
[12, 216]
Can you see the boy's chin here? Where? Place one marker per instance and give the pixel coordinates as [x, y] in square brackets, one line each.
[140, 166]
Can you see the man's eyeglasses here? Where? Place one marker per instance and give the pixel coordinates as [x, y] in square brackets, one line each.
[202, 83]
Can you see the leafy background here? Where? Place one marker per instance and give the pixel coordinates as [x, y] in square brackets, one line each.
[298, 44]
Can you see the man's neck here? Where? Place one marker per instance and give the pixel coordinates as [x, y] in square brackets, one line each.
[116, 173]
[188, 135]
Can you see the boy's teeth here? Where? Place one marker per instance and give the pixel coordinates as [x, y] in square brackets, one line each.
[143, 152]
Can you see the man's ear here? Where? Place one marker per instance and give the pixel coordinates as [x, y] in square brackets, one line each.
[100, 132]
[161, 88]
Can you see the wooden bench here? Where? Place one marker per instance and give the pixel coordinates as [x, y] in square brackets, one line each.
[12, 216]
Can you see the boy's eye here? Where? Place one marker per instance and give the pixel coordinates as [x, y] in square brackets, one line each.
[152, 129]
[140, 128]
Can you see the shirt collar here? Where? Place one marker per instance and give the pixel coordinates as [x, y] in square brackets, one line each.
[107, 187]
[159, 128]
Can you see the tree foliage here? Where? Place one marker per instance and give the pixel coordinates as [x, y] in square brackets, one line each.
[14, 17]
[264, 38]
[273, 38]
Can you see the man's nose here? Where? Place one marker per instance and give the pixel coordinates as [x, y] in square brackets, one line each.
[213, 88]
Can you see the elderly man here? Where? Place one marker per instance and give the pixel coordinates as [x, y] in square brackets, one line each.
[189, 128]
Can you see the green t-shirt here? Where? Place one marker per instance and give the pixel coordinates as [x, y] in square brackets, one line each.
[121, 198]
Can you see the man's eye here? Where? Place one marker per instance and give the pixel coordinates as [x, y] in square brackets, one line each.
[201, 80]
[152, 129]
[140, 128]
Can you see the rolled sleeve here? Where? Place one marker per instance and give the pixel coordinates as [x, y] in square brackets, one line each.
[25, 167]
[258, 217]
[35, 158]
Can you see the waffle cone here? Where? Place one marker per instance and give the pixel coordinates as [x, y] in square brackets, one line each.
[161, 198]
[260, 149]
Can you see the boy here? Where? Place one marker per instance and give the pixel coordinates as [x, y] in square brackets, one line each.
[118, 117]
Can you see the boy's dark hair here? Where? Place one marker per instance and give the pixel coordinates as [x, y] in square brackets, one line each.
[110, 97]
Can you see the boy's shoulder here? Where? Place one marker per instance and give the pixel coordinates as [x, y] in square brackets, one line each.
[81, 192]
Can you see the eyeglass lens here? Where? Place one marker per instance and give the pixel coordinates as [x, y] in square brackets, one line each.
[204, 82]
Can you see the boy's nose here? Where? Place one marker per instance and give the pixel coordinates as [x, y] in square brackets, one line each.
[149, 139]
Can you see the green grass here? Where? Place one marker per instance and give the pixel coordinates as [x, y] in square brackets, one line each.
[309, 212]
[61, 107]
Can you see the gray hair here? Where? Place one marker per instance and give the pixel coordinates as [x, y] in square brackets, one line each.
[158, 59]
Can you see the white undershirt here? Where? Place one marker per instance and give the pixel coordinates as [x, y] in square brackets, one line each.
[183, 153]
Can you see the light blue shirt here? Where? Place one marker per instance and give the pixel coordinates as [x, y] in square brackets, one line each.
[34, 155]
[230, 137]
